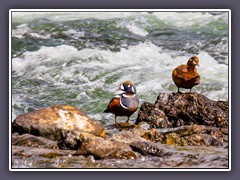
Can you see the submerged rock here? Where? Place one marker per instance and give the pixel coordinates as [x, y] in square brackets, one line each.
[61, 123]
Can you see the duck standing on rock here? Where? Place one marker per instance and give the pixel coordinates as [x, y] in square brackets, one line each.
[186, 76]
[124, 104]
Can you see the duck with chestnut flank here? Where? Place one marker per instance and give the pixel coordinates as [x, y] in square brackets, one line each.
[186, 76]
[124, 104]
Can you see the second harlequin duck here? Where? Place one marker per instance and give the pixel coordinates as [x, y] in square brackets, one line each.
[186, 76]
[124, 104]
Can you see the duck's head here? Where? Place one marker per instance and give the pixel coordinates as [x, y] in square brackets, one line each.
[128, 87]
[193, 61]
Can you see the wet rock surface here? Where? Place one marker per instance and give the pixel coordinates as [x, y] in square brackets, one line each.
[104, 149]
[193, 108]
[61, 123]
[177, 131]
[149, 155]
[29, 140]
[146, 148]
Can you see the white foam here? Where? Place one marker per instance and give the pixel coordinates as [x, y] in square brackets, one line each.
[188, 19]
[145, 64]
[74, 34]
[136, 30]
[67, 16]
[24, 29]
[20, 31]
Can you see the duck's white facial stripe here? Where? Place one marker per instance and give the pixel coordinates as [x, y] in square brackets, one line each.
[122, 87]
[133, 89]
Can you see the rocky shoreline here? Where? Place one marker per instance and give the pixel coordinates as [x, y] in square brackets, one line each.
[177, 131]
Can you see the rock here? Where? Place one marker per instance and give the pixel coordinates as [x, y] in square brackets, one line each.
[29, 140]
[153, 135]
[194, 129]
[155, 117]
[146, 148]
[104, 149]
[42, 152]
[209, 140]
[175, 139]
[194, 135]
[120, 126]
[176, 109]
[143, 125]
[153, 155]
[61, 123]
[126, 137]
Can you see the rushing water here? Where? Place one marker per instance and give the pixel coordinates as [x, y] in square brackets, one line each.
[80, 58]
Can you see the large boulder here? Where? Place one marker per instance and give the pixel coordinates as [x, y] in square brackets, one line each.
[61, 123]
[177, 109]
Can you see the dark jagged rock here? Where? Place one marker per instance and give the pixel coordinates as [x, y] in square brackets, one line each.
[29, 140]
[60, 123]
[104, 149]
[155, 117]
[193, 108]
[176, 109]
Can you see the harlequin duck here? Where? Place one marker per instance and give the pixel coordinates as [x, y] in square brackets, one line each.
[186, 76]
[124, 104]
